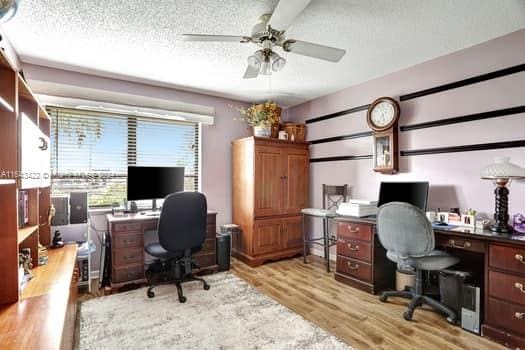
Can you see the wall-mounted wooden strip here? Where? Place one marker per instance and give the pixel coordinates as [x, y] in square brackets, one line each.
[469, 81]
[337, 114]
[339, 158]
[342, 137]
[465, 148]
[465, 118]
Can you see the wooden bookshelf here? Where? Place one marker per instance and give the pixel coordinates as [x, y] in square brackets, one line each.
[16, 99]
[25, 232]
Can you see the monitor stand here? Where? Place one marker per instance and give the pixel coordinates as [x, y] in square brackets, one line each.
[154, 210]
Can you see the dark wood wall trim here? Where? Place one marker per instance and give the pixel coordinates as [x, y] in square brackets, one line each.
[465, 148]
[469, 81]
[339, 158]
[337, 114]
[465, 118]
[342, 137]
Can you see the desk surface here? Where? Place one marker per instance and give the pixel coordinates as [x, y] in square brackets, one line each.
[482, 234]
[139, 217]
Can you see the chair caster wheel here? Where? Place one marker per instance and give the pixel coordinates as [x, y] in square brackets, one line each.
[182, 299]
[452, 321]
[382, 298]
[206, 287]
[407, 316]
[150, 294]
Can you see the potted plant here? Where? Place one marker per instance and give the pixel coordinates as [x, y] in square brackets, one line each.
[263, 118]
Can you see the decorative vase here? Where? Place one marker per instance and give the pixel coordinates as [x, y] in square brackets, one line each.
[276, 126]
[262, 131]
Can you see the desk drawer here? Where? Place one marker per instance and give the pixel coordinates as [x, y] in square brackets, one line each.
[349, 230]
[125, 257]
[208, 247]
[472, 245]
[354, 268]
[149, 225]
[127, 240]
[507, 287]
[507, 258]
[355, 249]
[506, 315]
[205, 260]
[210, 231]
[127, 227]
[127, 274]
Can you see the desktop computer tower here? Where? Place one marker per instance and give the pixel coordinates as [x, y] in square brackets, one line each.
[471, 308]
[78, 205]
[61, 205]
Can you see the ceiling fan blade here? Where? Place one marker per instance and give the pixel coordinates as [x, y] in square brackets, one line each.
[206, 37]
[251, 72]
[322, 52]
[285, 12]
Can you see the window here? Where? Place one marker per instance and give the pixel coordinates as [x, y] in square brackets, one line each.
[90, 151]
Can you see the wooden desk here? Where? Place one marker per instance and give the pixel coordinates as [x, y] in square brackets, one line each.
[44, 318]
[362, 263]
[127, 247]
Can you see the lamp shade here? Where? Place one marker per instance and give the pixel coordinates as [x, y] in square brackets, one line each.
[502, 168]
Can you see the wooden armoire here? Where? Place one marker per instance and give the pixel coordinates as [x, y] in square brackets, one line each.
[270, 187]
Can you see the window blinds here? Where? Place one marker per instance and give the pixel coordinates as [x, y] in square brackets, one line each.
[90, 151]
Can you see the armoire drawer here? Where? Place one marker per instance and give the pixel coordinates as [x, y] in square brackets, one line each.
[350, 230]
[355, 249]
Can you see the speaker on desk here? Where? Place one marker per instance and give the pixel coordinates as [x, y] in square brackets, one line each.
[61, 205]
[78, 204]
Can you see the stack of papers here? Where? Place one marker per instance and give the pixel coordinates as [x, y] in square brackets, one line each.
[358, 207]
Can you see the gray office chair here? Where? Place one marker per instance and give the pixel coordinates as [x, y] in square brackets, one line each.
[182, 231]
[407, 235]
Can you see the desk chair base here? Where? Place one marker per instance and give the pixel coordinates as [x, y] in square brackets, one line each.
[418, 299]
[177, 277]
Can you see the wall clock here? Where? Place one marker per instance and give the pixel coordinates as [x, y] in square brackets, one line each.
[382, 117]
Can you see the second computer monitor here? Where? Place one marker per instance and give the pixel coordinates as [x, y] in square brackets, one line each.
[415, 193]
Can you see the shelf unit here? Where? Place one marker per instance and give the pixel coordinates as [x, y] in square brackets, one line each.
[16, 100]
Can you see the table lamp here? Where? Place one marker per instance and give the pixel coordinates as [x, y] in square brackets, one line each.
[501, 172]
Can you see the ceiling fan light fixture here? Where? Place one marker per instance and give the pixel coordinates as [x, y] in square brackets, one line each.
[278, 62]
[266, 67]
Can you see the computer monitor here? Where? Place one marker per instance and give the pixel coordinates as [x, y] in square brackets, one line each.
[146, 182]
[415, 193]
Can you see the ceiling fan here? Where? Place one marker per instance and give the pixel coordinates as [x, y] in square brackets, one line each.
[268, 33]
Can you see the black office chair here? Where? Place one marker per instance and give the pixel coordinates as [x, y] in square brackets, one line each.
[182, 231]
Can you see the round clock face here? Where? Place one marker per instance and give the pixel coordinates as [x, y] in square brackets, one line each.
[383, 114]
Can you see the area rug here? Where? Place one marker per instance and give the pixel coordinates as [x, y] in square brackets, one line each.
[231, 315]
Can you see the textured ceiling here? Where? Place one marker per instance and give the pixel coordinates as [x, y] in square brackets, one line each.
[136, 39]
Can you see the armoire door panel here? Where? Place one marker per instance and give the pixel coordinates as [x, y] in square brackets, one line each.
[296, 181]
[292, 232]
[268, 181]
[267, 236]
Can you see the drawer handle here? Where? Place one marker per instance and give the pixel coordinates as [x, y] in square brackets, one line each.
[520, 315]
[465, 245]
[353, 248]
[352, 267]
[519, 257]
[519, 286]
[353, 230]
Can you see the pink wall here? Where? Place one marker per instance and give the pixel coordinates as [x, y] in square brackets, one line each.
[454, 177]
[216, 139]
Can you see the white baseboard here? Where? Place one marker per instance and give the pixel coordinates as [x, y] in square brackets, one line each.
[319, 252]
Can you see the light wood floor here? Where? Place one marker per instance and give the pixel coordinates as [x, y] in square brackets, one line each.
[356, 317]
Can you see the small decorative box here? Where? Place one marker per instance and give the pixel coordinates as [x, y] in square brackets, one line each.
[519, 223]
